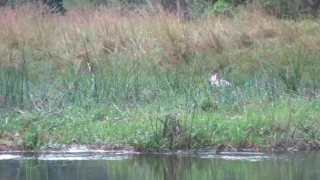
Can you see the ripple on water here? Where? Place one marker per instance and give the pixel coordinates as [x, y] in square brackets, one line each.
[237, 158]
[242, 156]
[68, 157]
[81, 157]
[9, 156]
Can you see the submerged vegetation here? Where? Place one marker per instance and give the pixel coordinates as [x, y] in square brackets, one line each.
[117, 79]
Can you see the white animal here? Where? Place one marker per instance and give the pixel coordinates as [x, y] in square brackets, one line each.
[214, 81]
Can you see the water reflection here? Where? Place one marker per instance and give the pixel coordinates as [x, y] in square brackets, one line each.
[31, 166]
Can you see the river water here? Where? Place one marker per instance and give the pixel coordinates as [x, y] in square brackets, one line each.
[123, 165]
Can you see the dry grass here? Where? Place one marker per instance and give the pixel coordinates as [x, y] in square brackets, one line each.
[162, 37]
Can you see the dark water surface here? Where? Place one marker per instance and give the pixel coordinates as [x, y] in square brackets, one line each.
[101, 165]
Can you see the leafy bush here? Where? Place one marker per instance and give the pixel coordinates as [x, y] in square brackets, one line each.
[221, 6]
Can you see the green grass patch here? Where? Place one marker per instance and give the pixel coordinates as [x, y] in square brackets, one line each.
[114, 82]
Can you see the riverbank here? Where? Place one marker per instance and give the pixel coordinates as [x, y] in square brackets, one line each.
[105, 78]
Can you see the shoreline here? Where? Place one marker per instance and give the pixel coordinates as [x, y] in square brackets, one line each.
[131, 150]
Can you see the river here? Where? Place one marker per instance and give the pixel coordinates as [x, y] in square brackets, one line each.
[94, 165]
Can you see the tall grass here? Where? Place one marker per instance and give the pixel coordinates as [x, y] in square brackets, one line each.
[117, 80]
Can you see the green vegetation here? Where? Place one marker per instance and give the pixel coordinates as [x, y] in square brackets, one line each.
[117, 79]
